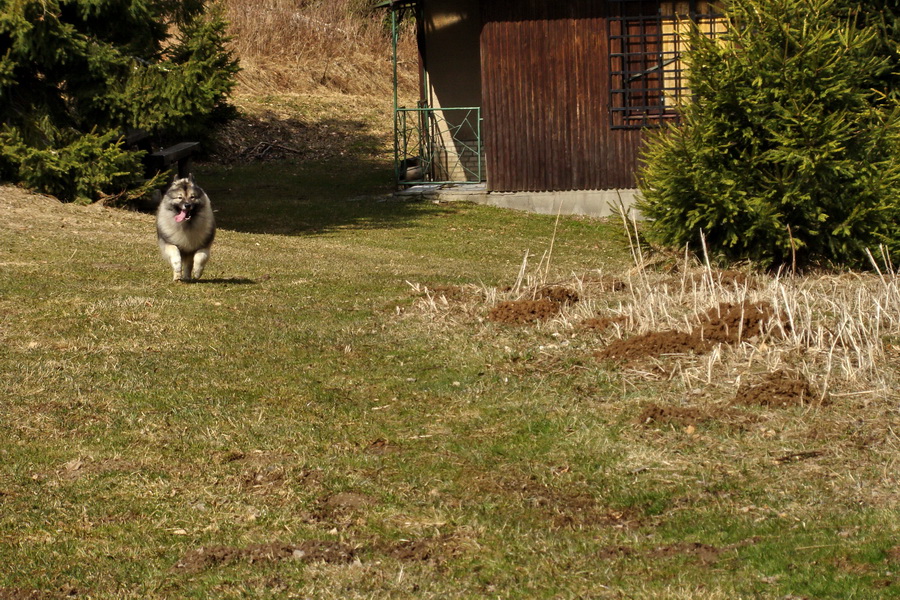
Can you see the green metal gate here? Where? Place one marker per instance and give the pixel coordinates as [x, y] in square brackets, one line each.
[433, 145]
[438, 145]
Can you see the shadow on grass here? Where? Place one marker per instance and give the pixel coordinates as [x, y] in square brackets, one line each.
[226, 281]
[303, 198]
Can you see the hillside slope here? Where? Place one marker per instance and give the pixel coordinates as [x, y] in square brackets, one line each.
[316, 80]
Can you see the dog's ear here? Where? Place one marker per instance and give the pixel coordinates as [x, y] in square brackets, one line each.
[190, 177]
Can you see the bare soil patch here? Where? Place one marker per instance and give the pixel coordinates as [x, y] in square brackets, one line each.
[702, 553]
[563, 508]
[427, 550]
[307, 551]
[548, 303]
[559, 294]
[522, 312]
[726, 323]
[672, 415]
[599, 324]
[450, 292]
[655, 343]
[727, 278]
[779, 389]
[348, 501]
[382, 446]
[272, 136]
[730, 323]
[604, 283]
[23, 594]
[705, 554]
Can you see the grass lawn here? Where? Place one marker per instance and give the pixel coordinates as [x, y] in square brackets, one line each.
[337, 411]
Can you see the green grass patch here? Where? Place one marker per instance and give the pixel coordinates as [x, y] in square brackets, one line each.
[307, 421]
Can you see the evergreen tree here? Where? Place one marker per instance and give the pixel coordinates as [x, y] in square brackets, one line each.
[789, 150]
[76, 74]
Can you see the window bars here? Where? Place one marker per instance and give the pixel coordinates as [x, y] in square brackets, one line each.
[647, 38]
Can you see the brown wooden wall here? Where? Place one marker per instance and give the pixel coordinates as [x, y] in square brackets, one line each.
[545, 102]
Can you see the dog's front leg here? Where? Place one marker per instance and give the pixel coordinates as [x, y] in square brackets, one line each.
[174, 255]
[200, 258]
[187, 266]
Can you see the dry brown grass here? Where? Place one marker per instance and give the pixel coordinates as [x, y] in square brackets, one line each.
[286, 46]
[837, 330]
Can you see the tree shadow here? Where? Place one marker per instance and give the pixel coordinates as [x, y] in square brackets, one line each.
[317, 187]
[293, 198]
[226, 281]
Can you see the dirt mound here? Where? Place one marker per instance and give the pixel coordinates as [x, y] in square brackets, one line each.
[730, 323]
[893, 554]
[671, 415]
[603, 323]
[655, 343]
[308, 551]
[778, 389]
[548, 302]
[562, 295]
[730, 278]
[258, 479]
[605, 283]
[726, 323]
[450, 292]
[704, 553]
[348, 501]
[521, 312]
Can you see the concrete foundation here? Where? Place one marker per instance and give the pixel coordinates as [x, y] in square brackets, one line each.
[591, 203]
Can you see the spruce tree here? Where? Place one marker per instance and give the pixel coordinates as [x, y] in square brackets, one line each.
[75, 75]
[790, 148]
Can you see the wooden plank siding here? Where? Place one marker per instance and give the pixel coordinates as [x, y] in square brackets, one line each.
[545, 98]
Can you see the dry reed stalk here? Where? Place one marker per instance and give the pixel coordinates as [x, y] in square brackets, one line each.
[833, 331]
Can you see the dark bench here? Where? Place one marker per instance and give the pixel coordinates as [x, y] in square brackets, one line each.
[161, 160]
[136, 138]
[179, 153]
[158, 162]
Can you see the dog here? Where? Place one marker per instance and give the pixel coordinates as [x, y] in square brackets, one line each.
[185, 228]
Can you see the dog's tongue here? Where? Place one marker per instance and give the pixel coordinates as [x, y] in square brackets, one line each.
[181, 216]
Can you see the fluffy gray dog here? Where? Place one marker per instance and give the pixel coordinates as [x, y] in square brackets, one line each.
[185, 228]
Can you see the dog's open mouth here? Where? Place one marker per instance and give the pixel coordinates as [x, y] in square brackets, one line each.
[184, 214]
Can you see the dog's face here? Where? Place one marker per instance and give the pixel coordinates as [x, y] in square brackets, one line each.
[184, 199]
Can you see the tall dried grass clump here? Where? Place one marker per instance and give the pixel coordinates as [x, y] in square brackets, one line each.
[841, 331]
[342, 46]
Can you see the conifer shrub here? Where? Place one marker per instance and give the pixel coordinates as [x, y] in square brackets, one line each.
[788, 150]
[76, 75]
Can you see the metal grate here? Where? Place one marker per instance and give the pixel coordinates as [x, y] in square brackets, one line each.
[438, 145]
[648, 79]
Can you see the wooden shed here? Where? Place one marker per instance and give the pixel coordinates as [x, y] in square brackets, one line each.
[541, 95]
